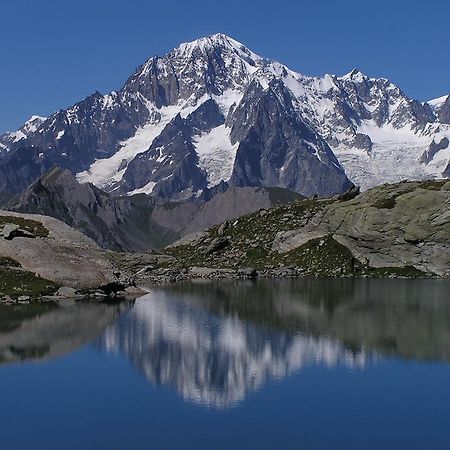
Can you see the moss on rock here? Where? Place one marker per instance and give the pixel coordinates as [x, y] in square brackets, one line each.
[31, 226]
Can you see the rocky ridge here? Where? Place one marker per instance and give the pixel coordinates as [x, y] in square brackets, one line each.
[138, 222]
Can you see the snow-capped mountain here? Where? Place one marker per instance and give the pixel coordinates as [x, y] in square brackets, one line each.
[27, 129]
[212, 110]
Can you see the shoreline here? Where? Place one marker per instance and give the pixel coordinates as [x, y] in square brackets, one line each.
[165, 277]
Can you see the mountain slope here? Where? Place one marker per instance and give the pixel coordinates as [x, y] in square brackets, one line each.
[400, 229]
[212, 110]
[138, 222]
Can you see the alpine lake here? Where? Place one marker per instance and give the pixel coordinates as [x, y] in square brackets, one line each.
[266, 364]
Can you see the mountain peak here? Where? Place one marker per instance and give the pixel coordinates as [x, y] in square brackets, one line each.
[217, 40]
[355, 75]
[211, 41]
[32, 124]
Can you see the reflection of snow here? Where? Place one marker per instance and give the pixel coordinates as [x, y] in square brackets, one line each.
[211, 360]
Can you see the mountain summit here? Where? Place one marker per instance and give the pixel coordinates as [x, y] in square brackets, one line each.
[212, 111]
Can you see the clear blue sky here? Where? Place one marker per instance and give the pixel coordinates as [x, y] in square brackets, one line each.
[53, 53]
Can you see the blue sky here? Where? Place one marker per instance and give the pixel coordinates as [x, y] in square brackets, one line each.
[56, 52]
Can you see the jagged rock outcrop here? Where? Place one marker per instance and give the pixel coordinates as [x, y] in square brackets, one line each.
[277, 148]
[434, 148]
[443, 110]
[116, 223]
[138, 222]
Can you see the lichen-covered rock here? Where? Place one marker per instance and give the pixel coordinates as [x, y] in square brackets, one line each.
[406, 224]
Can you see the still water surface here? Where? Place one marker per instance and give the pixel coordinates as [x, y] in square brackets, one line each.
[292, 364]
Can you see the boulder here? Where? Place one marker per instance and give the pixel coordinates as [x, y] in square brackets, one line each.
[217, 244]
[64, 256]
[66, 292]
[248, 272]
[8, 230]
[202, 271]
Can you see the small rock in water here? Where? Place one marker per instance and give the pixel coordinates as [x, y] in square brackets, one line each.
[131, 290]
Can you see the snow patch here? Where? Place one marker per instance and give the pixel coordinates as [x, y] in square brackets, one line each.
[18, 136]
[437, 102]
[228, 99]
[147, 189]
[216, 154]
[106, 173]
[395, 156]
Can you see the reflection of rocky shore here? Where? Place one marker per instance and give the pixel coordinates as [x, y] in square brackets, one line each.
[39, 331]
[401, 318]
[212, 359]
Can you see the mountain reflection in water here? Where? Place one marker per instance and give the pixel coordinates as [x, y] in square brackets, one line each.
[216, 342]
[214, 360]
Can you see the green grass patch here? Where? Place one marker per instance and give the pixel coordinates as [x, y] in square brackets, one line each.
[6, 261]
[16, 282]
[250, 237]
[402, 272]
[323, 257]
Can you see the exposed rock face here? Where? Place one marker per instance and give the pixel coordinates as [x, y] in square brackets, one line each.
[392, 226]
[117, 223]
[446, 172]
[443, 111]
[212, 111]
[190, 217]
[74, 138]
[175, 175]
[59, 254]
[137, 223]
[434, 148]
[277, 148]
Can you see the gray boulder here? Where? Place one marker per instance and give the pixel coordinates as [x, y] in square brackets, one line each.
[64, 256]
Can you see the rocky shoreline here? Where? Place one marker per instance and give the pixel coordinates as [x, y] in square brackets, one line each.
[393, 231]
